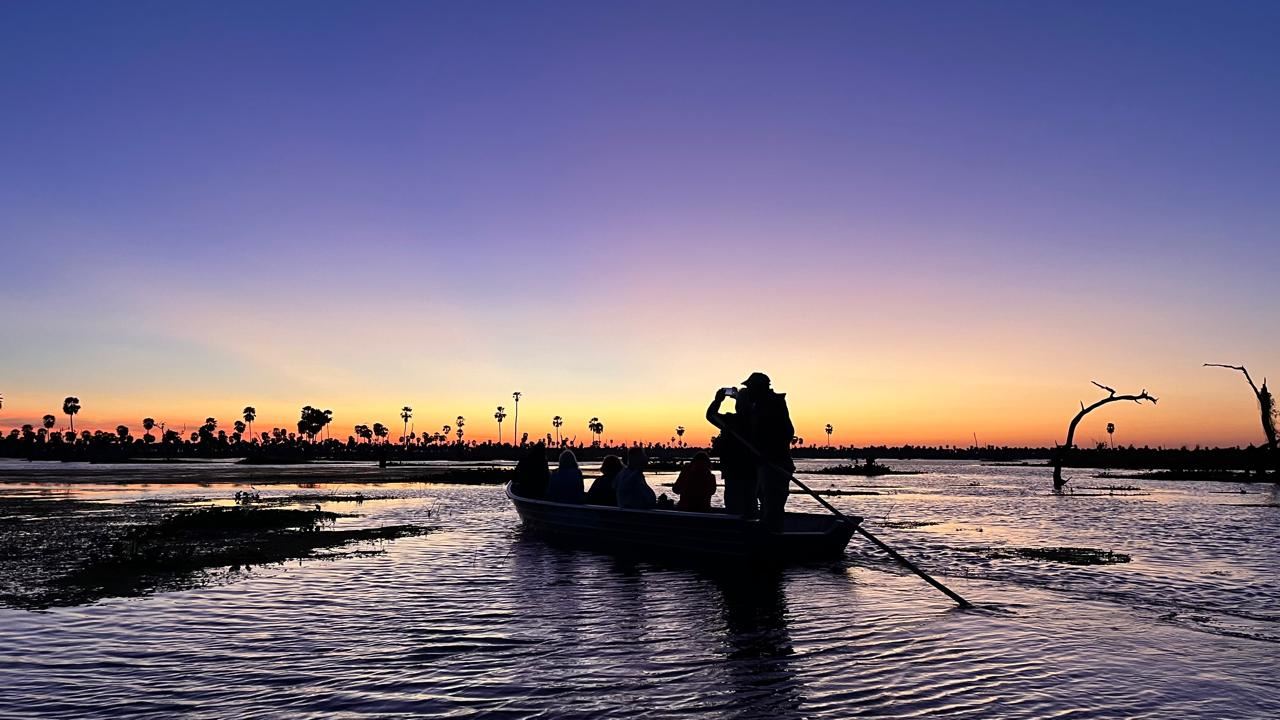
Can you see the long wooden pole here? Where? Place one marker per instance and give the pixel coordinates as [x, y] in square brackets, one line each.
[857, 525]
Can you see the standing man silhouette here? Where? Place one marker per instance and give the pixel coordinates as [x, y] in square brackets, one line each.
[770, 432]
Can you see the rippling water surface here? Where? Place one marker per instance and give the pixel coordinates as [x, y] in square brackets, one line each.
[477, 619]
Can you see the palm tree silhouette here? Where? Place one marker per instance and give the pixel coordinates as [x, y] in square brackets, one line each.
[459, 422]
[446, 430]
[680, 433]
[406, 412]
[515, 431]
[250, 414]
[1111, 430]
[591, 425]
[70, 407]
[205, 433]
[381, 431]
[829, 430]
[148, 424]
[500, 415]
[48, 421]
[556, 422]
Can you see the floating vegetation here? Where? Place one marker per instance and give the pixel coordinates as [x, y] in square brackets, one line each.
[317, 498]
[667, 465]
[228, 520]
[1109, 491]
[1017, 464]
[870, 469]
[907, 524]
[257, 500]
[50, 558]
[1067, 555]
[483, 476]
[1200, 475]
[1109, 495]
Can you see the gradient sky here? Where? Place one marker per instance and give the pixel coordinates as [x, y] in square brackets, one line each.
[924, 220]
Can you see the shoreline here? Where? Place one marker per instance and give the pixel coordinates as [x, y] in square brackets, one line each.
[228, 472]
[220, 473]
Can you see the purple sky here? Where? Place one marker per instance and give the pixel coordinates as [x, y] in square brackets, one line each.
[901, 210]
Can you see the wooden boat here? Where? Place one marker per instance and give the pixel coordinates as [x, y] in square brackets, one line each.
[679, 535]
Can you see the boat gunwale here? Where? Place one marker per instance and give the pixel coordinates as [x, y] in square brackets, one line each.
[836, 521]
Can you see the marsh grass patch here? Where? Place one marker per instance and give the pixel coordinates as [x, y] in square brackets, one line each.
[76, 556]
[1066, 555]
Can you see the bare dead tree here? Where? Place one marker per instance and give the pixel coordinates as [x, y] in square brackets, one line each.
[1059, 456]
[1266, 405]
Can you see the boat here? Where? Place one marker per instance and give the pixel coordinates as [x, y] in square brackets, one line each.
[682, 535]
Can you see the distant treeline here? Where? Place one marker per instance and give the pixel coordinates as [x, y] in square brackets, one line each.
[1131, 457]
[279, 446]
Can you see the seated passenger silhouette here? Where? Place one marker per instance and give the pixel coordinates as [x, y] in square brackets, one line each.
[532, 474]
[603, 491]
[696, 485]
[565, 484]
[633, 491]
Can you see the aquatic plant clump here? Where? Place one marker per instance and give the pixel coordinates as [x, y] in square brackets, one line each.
[232, 520]
[909, 524]
[871, 469]
[1068, 555]
[132, 550]
[481, 476]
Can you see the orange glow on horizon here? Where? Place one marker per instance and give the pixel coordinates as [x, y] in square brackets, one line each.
[884, 416]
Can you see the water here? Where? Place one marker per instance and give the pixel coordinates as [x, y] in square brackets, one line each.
[477, 619]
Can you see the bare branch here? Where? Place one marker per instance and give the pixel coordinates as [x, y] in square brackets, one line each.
[1242, 369]
[1111, 397]
[1266, 404]
[1139, 397]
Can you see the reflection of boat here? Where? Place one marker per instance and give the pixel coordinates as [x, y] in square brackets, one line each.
[679, 535]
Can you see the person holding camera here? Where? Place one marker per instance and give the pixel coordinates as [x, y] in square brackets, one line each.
[737, 462]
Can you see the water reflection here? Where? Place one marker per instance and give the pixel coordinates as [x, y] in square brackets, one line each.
[610, 628]
[758, 648]
[476, 620]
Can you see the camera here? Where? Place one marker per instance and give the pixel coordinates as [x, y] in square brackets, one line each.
[730, 391]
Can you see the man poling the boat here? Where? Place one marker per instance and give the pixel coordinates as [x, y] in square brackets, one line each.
[769, 422]
[775, 466]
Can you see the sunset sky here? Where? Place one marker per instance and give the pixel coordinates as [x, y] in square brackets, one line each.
[923, 220]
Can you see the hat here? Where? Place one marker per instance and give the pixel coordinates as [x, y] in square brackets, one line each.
[756, 378]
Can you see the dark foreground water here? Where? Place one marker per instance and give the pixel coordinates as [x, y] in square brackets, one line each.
[477, 620]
